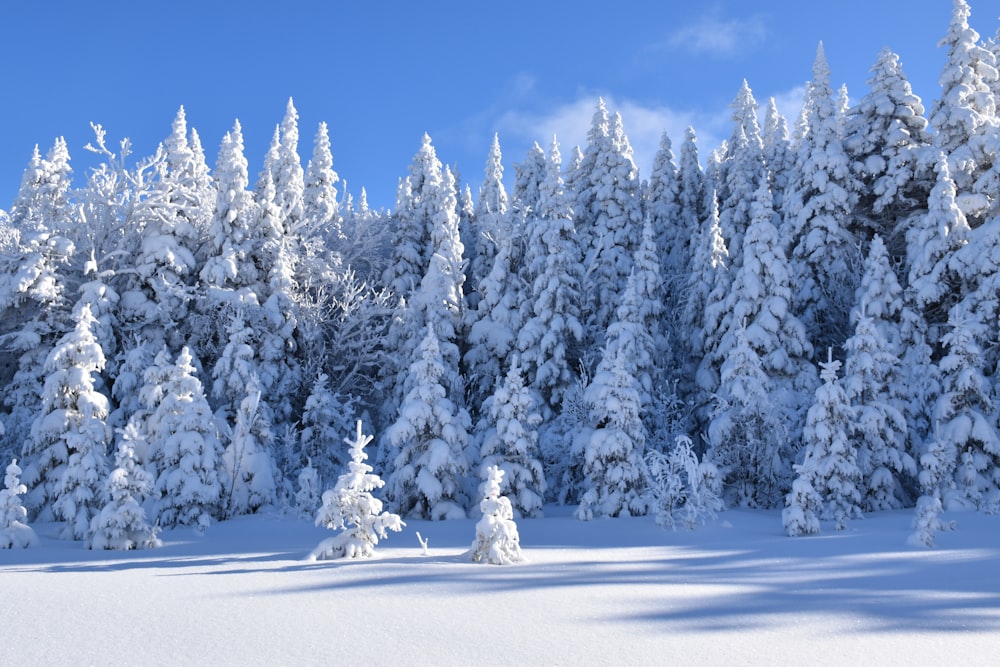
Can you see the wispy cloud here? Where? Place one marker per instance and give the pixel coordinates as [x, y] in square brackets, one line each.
[644, 124]
[720, 37]
[789, 103]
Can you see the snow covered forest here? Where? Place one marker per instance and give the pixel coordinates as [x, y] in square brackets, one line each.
[804, 317]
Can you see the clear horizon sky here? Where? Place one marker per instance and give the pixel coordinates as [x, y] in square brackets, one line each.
[381, 73]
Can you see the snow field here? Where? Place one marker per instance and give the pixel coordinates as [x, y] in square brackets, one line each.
[606, 592]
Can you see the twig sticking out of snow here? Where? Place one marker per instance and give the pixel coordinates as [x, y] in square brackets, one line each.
[423, 543]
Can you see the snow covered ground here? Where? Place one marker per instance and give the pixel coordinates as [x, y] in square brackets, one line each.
[608, 592]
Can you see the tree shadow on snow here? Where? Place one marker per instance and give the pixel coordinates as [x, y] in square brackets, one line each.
[717, 584]
[713, 579]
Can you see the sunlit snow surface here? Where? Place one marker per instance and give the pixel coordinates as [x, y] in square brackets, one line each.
[614, 592]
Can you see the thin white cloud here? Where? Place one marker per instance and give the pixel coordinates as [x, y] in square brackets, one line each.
[720, 37]
[644, 124]
[789, 103]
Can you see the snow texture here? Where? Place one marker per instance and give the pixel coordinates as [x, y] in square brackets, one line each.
[603, 592]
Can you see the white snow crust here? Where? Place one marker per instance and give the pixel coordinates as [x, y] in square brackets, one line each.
[605, 592]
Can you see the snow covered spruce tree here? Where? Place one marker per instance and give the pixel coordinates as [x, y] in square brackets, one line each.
[278, 198]
[429, 436]
[240, 380]
[320, 206]
[511, 443]
[803, 506]
[932, 241]
[616, 479]
[959, 461]
[34, 265]
[438, 296]
[964, 117]
[933, 238]
[495, 287]
[325, 420]
[818, 206]
[753, 428]
[230, 263]
[121, 524]
[966, 416]
[549, 340]
[873, 384]
[703, 303]
[231, 275]
[97, 293]
[250, 467]
[495, 324]
[662, 206]
[184, 449]
[15, 533]
[43, 199]
[528, 177]
[497, 540]
[169, 222]
[489, 221]
[351, 508]
[884, 136]
[649, 293]
[237, 362]
[608, 216]
[830, 461]
[937, 465]
[778, 155]
[742, 172]
[879, 428]
[748, 435]
[692, 196]
[411, 220]
[68, 462]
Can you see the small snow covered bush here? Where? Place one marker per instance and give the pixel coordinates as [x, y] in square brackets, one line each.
[350, 507]
[307, 497]
[803, 507]
[682, 488]
[14, 528]
[497, 541]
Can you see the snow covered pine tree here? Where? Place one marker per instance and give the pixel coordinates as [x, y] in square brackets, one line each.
[350, 506]
[14, 528]
[497, 540]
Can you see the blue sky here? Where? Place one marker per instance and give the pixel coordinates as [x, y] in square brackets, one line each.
[381, 73]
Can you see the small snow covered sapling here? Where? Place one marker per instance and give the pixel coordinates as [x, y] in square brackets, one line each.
[667, 485]
[681, 486]
[14, 528]
[307, 497]
[497, 541]
[351, 507]
[803, 506]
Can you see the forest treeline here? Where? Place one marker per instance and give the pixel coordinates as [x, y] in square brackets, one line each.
[804, 317]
